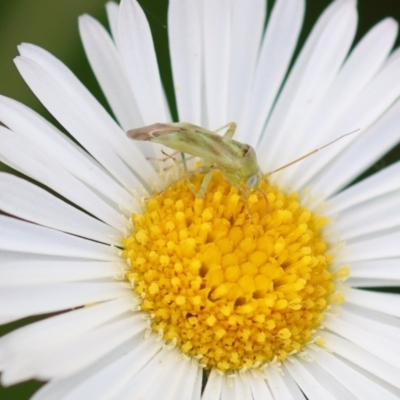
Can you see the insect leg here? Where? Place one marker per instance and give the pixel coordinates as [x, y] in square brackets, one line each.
[167, 157]
[204, 184]
[230, 130]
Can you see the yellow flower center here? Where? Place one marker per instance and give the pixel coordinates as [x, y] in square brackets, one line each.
[234, 281]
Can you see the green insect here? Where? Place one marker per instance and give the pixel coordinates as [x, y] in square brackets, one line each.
[237, 161]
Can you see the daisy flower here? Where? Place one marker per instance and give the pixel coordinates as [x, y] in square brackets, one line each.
[156, 293]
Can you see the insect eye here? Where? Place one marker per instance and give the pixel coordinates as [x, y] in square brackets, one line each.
[252, 181]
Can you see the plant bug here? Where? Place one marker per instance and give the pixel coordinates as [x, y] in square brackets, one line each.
[237, 161]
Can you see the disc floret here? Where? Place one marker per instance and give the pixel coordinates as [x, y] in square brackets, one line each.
[235, 282]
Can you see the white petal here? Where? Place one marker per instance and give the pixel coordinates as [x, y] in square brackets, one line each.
[227, 390]
[89, 348]
[241, 389]
[246, 33]
[21, 273]
[381, 213]
[42, 135]
[16, 235]
[175, 381]
[371, 103]
[110, 73]
[20, 198]
[144, 384]
[376, 185]
[356, 383]
[387, 303]
[315, 383]
[112, 15]
[276, 52]
[384, 246]
[108, 381]
[137, 50]
[77, 110]
[106, 64]
[372, 283]
[184, 31]
[387, 268]
[376, 322]
[283, 387]
[101, 123]
[366, 149]
[197, 387]
[55, 297]
[385, 349]
[59, 387]
[362, 64]
[312, 74]
[362, 358]
[217, 48]
[38, 166]
[259, 388]
[213, 387]
[22, 346]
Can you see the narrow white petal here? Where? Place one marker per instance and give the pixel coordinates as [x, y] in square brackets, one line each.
[376, 322]
[376, 185]
[387, 268]
[259, 388]
[35, 164]
[137, 50]
[108, 381]
[144, 385]
[213, 387]
[355, 382]
[101, 123]
[370, 104]
[24, 200]
[106, 65]
[55, 297]
[372, 283]
[44, 136]
[176, 380]
[227, 389]
[217, 48]
[17, 235]
[246, 33]
[360, 67]
[283, 387]
[362, 358]
[276, 52]
[384, 246]
[315, 382]
[184, 31]
[366, 149]
[385, 349]
[81, 353]
[112, 15]
[241, 389]
[20, 347]
[312, 74]
[381, 213]
[21, 273]
[197, 387]
[80, 114]
[387, 303]
[59, 387]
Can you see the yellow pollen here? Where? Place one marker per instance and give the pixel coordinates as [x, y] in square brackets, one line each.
[235, 281]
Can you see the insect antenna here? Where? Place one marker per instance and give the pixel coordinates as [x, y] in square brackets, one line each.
[308, 154]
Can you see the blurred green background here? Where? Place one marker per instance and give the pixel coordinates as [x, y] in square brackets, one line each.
[53, 25]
